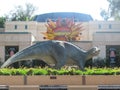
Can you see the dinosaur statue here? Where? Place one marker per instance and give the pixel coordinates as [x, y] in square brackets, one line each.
[54, 52]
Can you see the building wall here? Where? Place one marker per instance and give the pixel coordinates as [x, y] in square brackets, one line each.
[2, 29]
[37, 27]
[102, 39]
[20, 40]
[22, 26]
[40, 28]
[95, 33]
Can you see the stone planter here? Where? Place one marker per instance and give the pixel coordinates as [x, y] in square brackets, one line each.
[55, 80]
[11, 80]
[61, 80]
[102, 80]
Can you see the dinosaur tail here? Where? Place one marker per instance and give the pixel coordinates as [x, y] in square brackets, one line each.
[26, 54]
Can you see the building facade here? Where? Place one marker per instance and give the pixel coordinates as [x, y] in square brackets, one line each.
[18, 35]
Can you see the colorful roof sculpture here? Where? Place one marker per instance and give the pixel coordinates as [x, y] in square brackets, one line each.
[63, 29]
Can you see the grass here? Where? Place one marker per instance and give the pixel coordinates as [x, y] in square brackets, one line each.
[62, 71]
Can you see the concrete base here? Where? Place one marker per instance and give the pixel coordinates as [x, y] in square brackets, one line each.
[82, 87]
[24, 87]
[69, 87]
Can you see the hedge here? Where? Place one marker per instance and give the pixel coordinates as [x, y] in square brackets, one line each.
[62, 71]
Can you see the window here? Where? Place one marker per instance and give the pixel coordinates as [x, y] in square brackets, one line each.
[15, 26]
[10, 50]
[26, 27]
[110, 26]
[99, 26]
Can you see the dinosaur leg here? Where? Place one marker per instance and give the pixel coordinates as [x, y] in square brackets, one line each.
[81, 65]
[60, 64]
[59, 54]
[60, 61]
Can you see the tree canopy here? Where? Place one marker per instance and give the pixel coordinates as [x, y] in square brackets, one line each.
[2, 21]
[22, 14]
[113, 10]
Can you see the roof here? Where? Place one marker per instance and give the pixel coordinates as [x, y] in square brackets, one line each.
[78, 17]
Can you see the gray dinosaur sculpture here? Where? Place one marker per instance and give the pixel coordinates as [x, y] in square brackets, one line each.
[54, 52]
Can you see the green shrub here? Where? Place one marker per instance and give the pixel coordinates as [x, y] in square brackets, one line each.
[62, 71]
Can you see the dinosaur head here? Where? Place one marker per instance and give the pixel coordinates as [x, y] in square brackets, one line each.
[96, 51]
[92, 52]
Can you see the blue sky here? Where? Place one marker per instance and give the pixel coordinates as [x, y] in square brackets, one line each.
[91, 7]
